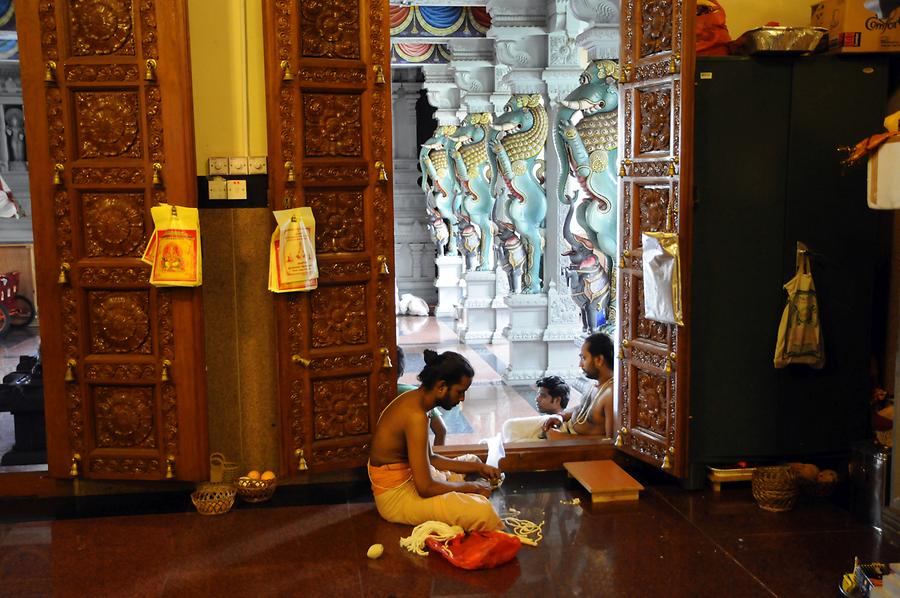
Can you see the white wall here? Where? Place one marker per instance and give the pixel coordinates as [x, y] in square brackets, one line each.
[743, 15]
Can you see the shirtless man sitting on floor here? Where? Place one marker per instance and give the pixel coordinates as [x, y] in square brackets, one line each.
[594, 415]
[413, 485]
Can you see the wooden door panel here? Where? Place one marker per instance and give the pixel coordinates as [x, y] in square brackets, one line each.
[328, 130]
[657, 55]
[107, 91]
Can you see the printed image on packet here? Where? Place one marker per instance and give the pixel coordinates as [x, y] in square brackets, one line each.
[292, 256]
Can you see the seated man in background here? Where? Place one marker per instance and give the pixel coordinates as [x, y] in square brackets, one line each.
[552, 398]
[594, 415]
[435, 421]
[405, 489]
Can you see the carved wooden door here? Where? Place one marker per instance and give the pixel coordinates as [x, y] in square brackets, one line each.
[110, 133]
[328, 93]
[657, 57]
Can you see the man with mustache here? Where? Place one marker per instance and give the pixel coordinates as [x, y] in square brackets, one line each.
[411, 484]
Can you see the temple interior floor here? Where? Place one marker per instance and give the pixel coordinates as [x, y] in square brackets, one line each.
[489, 402]
[312, 540]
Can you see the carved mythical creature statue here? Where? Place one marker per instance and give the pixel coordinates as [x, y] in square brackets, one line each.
[512, 255]
[471, 243]
[439, 180]
[590, 149]
[523, 125]
[474, 173]
[587, 279]
[438, 230]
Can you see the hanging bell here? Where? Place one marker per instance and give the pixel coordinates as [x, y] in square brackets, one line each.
[73, 469]
[157, 174]
[622, 168]
[291, 174]
[667, 463]
[619, 441]
[673, 63]
[301, 462]
[670, 359]
[57, 174]
[384, 265]
[50, 72]
[70, 370]
[170, 467]
[386, 359]
[286, 75]
[64, 273]
[672, 164]
[379, 74]
[382, 173]
[150, 70]
[164, 375]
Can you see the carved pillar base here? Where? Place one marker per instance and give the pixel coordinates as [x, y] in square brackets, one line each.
[477, 320]
[525, 333]
[501, 309]
[450, 269]
[563, 335]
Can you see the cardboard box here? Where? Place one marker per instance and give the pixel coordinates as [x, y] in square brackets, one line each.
[859, 25]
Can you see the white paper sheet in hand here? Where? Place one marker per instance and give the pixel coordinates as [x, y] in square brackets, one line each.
[495, 450]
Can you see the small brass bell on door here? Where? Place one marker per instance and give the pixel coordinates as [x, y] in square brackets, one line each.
[382, 173]
[164, 374]
[70, 370]
[379, 74]
[50, 72]
[383, 268]
[286, 75]
[170, 467]
[301, 462]
[150, 70]
[73, 469]
[291, 173]
[57, 174]
[64, 273]
[667, 462]
[386, 359]
[157, 174]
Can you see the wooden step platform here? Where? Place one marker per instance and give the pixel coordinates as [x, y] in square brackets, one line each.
[606, 481]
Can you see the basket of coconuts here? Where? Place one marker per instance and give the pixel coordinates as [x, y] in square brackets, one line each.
[813, 481]
[255, 486]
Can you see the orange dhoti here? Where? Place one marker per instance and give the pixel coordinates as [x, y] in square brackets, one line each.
[398, 501]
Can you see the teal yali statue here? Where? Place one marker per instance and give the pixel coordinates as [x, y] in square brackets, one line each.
[439, 182]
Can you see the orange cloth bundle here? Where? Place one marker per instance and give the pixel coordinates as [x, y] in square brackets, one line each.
[711, 30]
[477, 550]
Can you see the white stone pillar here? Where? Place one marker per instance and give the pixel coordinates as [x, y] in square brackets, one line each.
[410, 231]
[450, 269]
[601, 38]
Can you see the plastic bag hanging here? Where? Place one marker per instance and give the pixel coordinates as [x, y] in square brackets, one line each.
[292, 255]
[799, 333]
[662, 278]
[174, 250]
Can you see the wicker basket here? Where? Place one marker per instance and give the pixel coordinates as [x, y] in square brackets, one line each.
[213, 499]
[252, 490]
[775, 488]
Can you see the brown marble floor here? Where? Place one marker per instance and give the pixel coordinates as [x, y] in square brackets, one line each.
[670, 543]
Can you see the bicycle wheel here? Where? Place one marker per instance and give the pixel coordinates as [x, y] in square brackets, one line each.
[5, 323]
[23, 313]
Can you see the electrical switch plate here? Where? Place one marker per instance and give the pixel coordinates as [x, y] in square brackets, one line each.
[237, 165]
[237, 189]
[218, 166]
[257, 164]
[217, 188]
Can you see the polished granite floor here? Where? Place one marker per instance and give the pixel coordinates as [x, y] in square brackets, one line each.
[311, 541]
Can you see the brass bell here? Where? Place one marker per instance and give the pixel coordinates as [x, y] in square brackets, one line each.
[670, 358]
[164, 375]
[386, 359]
[170, 467]
[673, 63]
[50, 72]
[57, 174]
[73, 469]
[667, 462]
[619, 442]
[291, 173]
[286, 75]
[157, 174]
[672, 164]
[622, 168]
[70, 370]
[382, 173]
[64, 273]
[150, 70]
[379, 74]
[384, 265]
[301, 462]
